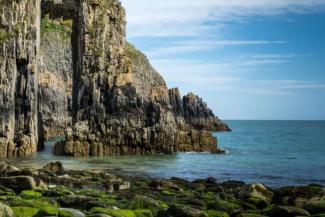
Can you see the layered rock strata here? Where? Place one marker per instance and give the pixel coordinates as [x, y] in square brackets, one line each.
[121, 105]
[19, 44]
[55, 78]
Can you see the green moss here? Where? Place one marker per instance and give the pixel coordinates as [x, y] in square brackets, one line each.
[56, 25]
[5, 35]
[225, 206]
[113, 212]
[65, 213]
[25, 211]
[30, 194]
[48, 211]
[216, 213]
[143, 213]
[167, 193]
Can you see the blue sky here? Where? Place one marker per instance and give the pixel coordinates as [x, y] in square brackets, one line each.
[249, 59]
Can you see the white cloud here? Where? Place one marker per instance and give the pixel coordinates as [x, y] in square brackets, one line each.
[190, 17]
[203, 45]
[230, 75]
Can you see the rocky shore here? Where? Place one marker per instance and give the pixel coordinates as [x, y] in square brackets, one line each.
[54, 191]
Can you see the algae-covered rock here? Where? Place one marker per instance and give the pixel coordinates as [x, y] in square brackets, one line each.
[286, 211]
[256, 194]
[217, 213]
[226, 206]
[182, 211]
[18, 183]
[25, 211]
[54, 168]
[68, 212]
[113, 212]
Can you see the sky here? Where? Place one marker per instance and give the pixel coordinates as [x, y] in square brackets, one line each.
[248, 59]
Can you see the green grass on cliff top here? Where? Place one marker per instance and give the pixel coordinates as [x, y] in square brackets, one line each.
[56, 25]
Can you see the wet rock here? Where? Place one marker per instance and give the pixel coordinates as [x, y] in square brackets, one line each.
[256, 194]
[18, 183]
[54, 168]
[286, 211]
[222, 205]
[182, 211]
[7, 168]
[72, 212]
[161, 184]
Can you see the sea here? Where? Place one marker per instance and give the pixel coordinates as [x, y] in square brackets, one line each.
[276, 153]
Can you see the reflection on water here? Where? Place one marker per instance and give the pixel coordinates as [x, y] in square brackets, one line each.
[275, 153]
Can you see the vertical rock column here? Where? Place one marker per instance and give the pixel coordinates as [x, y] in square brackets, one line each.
[19, 44]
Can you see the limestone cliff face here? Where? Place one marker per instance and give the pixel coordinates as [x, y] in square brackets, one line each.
[19, 43]
[121, 105]
[96, 88]
[55, 78]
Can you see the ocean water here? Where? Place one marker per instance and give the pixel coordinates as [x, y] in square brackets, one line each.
[277, 153]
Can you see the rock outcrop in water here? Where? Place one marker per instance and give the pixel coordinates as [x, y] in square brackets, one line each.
[120, 104]
[19, 43]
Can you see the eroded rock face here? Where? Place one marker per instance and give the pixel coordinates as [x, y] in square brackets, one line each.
[121, 105]
[55, 79]
[19, 43]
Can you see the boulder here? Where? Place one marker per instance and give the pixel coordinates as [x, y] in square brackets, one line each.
[6, 167]
[182, 211]
[6, 211]
[286, 211]
[226, 206]
[54, 168]
[18, 183]
[256, 194]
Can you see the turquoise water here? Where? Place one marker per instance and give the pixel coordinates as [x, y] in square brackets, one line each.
[276, 153]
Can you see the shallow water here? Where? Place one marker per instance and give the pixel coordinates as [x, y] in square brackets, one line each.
[276, 153]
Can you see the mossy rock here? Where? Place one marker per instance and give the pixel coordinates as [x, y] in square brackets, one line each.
[6, 191]
[65, 213]
[30, 194]
[316, 207]
[319, 215]
[217, 213]
[25, 211]
[286, 211]
[36, 203]
[48, 211]
[113, 212]
[143, 202]
[167, 192]
[245, 214]
[57, 192]
[143, 213]
[223, 205]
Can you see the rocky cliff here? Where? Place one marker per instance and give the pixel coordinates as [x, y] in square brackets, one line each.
[19, 43]
[55, 78]
[92, 85]
[121, 105]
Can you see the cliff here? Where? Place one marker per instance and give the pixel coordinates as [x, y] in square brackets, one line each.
[121, 105]
[19, 43]
[96, 88]
[55, 75]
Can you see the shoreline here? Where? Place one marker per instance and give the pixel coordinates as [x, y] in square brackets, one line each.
[54, 191]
